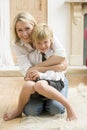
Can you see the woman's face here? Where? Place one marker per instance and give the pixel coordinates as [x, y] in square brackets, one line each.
[23, 30]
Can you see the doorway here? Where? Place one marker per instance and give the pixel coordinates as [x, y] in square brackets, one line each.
[85, 40]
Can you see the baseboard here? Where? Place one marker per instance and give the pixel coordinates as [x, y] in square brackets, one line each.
[17, 73]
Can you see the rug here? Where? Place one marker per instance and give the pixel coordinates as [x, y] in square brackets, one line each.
[78, 98]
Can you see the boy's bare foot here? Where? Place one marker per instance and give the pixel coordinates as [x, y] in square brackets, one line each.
[71, 115]
[12, 115]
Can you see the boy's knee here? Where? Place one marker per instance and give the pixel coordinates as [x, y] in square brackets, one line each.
[39, 86]
[28, 86]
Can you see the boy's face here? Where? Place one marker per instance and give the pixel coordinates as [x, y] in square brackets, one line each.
[43, 45]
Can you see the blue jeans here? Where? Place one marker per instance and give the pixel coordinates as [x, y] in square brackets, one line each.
[36, 106]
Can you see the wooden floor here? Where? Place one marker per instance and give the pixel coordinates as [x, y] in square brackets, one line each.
[9, 90]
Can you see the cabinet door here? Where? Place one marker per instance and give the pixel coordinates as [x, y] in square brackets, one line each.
[38, 8]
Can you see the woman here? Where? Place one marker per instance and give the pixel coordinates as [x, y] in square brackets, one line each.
[23, 26]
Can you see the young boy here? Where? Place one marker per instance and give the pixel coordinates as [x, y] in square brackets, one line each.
[46, 85]
[42, 37]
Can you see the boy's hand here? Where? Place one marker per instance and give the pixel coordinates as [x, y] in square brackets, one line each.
[32, 75]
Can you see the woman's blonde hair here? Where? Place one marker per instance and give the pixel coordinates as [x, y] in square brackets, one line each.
[25, 17]
[41, 32]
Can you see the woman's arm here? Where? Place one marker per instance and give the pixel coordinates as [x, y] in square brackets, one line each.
[52, 60]
[21, 57]
[57, 67]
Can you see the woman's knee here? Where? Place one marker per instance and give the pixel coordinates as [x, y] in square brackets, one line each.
[53, 107]
[32, 112]
[56, 110]
[34, 107]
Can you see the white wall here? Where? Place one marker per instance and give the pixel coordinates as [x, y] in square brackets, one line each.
[59, 20]
[6, 59]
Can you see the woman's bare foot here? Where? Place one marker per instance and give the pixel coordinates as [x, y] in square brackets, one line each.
[12, 115]
[71, 115]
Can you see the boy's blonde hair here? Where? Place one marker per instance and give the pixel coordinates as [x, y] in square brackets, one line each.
[24, 17]
[41, 32]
